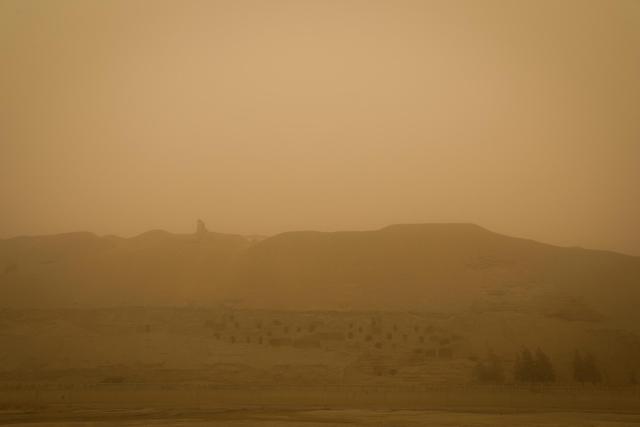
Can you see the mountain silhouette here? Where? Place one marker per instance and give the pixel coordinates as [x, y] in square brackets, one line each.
[429, 267]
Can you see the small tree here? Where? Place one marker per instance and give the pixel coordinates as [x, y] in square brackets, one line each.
[585, 368]
[543, 369]
[591, 369]
[524, 367]
[479, 371]
[495, 369]
[530, 368]
[578, 367]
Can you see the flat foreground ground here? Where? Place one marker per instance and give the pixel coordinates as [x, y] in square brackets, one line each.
[312, 418]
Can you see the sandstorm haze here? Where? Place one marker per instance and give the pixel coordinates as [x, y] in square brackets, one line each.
[347, 212]
[262, 117]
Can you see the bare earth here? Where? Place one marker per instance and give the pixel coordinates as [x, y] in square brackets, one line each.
[319, 418]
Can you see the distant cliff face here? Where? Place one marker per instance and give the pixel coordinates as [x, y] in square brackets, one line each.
[432, 267]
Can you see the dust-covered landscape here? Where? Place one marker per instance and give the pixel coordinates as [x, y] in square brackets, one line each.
[320, 213]
[454, 321]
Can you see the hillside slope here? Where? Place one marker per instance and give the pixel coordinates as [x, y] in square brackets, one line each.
[84, 270]
[438, 267]
[426, 267]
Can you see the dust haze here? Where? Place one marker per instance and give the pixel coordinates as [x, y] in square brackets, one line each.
[319, 212]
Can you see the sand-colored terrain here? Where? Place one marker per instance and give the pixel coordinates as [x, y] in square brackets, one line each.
[335, 418]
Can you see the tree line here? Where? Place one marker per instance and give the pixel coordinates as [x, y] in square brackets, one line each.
[536, 367]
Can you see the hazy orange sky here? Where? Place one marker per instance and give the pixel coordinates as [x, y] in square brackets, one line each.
[265, 116]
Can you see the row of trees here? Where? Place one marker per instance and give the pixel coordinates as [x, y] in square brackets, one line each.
[536, 367]
[533, 368]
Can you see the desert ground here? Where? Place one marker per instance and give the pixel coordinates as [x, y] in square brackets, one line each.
[209, 405]
[323, 418]
[459, 327]
[220, 367]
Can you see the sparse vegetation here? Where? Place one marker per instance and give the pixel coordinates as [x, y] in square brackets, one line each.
[530, 368]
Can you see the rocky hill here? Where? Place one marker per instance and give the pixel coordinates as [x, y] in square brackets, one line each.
[407, 303]
[439, 267]
[432, 267]
[84, 270]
